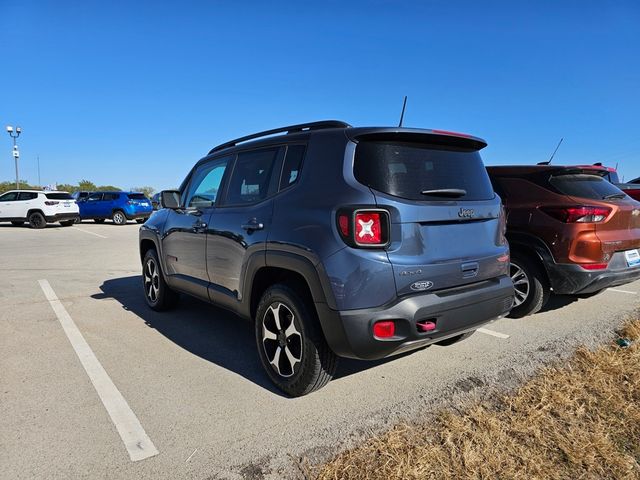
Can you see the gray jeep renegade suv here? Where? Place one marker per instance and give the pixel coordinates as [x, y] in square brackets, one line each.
[336, 242]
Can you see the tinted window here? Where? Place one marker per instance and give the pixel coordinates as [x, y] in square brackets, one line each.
[136, 196]
[58, 196]
[292, 165]
[205, 183]
[250, 178]
[406, 169]
[613, 177]
[9, 197]
[584, 186]
[111, 196]
[27, 195]
[94, 197]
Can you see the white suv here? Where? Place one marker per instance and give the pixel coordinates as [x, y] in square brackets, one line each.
[38, 208]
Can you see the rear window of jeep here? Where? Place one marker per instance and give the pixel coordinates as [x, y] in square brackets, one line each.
[406, 170]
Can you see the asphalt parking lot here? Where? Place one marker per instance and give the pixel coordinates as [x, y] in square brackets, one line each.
[191, 378]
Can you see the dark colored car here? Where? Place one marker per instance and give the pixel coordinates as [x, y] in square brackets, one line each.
[80, 195]
[570, 231]
[335, 241]
[118, 206]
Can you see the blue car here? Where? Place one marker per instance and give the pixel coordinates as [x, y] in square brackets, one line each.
[118, 206]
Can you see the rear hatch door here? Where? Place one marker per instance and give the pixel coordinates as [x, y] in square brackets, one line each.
[445, 218]
[62, 202]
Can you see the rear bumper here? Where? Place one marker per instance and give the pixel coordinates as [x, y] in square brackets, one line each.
[138, 213]
[455, 311]
[568, 279]
[57, 217]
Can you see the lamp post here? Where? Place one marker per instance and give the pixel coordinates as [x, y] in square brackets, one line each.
[16, 154]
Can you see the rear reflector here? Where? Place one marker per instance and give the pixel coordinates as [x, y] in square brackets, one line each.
[343, 222]
[594, 266]
[578, 214]
[384, 329]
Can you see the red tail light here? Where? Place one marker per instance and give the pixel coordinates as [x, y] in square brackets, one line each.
[364, 227]
[384, 329]
[368, 229]
[50, 203]
[578, 214]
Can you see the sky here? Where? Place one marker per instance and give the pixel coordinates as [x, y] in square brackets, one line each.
[134, 93]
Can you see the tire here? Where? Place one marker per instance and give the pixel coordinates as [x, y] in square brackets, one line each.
[68, 223]
[158, 295]
[453, 340]
[119, 217]
[17, 224]
[286, 322]
[36, 220]
[532, 286]
[98, 220]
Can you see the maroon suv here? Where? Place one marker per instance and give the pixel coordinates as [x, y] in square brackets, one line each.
[570, 231]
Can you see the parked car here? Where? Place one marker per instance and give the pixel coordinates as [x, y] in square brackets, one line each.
[118, 206]
[80, 195]
[155, 201]
[337, 242]
[37, 208]
[570, 231]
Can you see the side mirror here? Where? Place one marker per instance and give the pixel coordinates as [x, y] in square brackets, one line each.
[170, 199]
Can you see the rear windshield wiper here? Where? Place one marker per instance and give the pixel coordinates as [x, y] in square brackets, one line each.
[445, 192]
[614, 195]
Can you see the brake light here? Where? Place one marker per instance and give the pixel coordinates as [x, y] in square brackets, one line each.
[447, 132]
[364, 228]
[368, 229]
[384, 329]
[578, 214]
[50, 203]
[594, 266]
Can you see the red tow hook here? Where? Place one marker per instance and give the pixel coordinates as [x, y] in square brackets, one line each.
[426, 325]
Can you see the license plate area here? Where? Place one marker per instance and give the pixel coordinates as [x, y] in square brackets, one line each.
[632, 257]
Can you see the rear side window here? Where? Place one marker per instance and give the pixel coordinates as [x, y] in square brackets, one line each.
[27, 196]
[136, 196]
[111, 196]
[58, 196]
[585, 186]
[251, 177]
[292, 165]
[407, 169]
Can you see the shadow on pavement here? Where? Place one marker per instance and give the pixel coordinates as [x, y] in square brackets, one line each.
[556, 302]
[211, 333]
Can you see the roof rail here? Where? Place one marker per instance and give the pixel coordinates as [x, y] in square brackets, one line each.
[290, 129]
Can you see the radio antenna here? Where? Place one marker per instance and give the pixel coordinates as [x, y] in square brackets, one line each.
[404, 105]
[548, 162]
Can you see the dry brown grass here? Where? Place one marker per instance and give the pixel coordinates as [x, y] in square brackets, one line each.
[579, 419]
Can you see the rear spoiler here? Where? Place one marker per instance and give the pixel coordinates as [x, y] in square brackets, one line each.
[418, 135]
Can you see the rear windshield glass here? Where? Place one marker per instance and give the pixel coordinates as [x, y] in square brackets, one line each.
[58, 196]
[585, 186]
[136, 196]
[407, 169]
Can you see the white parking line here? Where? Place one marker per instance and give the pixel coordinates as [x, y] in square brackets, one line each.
[492, 333]
[622, 291]
[135, 439]
[90, 233]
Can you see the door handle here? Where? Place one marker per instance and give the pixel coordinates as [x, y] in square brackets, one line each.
[252, 225]
[200, 227]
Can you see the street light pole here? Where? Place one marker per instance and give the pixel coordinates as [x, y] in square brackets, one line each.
[16, 154]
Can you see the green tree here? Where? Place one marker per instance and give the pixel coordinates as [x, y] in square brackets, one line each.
[11, 185]
[86, 186]
[148, 191]
[67, 187]
[109, 188]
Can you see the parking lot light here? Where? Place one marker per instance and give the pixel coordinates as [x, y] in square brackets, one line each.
[15, 152]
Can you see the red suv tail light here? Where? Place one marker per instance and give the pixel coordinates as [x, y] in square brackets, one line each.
[578, 214]
[364, 227]
[384, 329]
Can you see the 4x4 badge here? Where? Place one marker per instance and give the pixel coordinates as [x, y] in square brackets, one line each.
[465, 213]
[424, 285]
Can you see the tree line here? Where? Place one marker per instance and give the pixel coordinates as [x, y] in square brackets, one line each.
[81, 186]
